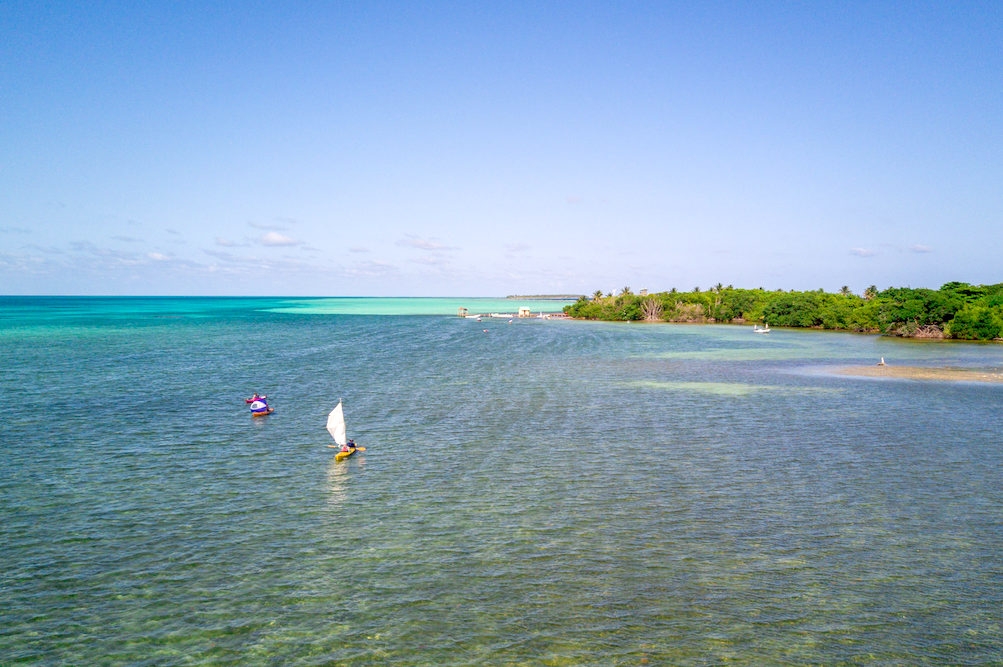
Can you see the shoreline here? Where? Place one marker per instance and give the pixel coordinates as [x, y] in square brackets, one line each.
[941, 374]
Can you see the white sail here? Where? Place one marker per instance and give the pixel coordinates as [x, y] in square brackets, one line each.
[336, 424]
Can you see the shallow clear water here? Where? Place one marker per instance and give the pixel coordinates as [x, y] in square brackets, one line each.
[534, 492]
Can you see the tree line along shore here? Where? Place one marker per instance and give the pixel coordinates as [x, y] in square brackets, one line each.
[957, 310]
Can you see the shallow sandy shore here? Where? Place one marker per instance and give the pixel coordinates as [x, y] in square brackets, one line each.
[923, 373]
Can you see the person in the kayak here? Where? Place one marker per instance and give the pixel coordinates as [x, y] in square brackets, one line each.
[348, 446]
[258, 404]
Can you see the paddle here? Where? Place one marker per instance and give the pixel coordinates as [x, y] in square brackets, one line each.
[358, 449]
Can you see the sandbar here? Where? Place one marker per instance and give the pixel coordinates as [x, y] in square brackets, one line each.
[942, 374]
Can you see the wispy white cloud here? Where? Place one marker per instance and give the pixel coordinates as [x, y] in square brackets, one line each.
[371, 269]
[224, 256]
[231, 260]
[48, 250]
[920, 248]
[266, 226]
[430, 260]
[274, 239]
[107, 254]
[862, 252]
[412, 241]
[226, 243]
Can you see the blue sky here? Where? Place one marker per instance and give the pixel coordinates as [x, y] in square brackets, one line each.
[472, 148]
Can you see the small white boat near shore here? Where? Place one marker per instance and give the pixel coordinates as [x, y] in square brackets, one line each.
[758, 329]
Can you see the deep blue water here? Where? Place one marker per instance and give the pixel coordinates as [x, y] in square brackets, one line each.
[538, 492]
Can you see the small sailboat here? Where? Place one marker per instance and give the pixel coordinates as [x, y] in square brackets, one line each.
[758, 329]
[336, 427]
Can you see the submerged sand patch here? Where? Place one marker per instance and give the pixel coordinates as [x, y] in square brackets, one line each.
[942, 374]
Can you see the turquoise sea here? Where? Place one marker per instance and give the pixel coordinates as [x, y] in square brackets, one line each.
[533, 492]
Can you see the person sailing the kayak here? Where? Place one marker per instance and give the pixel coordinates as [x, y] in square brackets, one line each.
[258, 403]
[348, 446]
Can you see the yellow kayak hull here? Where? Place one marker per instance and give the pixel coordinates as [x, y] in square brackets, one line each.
[341, 456]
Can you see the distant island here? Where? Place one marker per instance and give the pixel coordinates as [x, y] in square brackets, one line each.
[957, 310]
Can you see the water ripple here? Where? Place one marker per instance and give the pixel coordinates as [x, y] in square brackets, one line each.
[556, 493]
